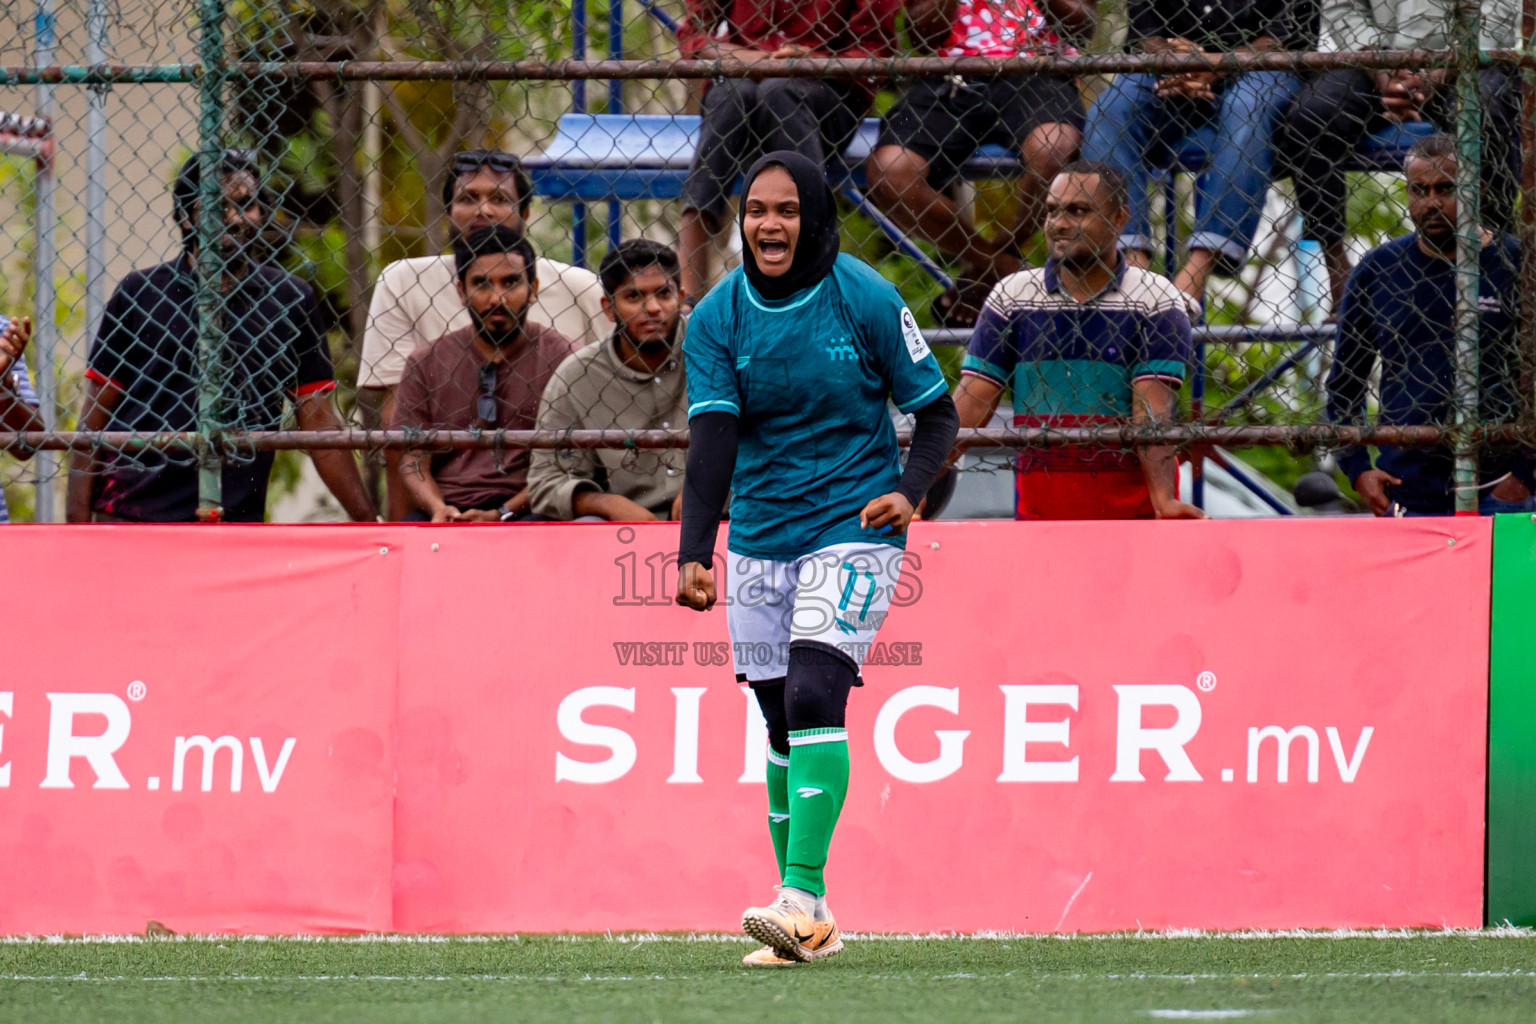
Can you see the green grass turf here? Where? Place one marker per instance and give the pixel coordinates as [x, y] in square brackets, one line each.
[1399, 977]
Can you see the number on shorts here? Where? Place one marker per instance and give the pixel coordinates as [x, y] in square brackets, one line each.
[853, 577]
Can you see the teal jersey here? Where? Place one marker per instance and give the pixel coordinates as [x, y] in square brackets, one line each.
[808, 379]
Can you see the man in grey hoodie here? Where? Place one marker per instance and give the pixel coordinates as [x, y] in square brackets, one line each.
[631, 380]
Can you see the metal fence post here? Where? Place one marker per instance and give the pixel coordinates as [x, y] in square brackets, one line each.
[210, 262]
[96, 172]
[1527, 333]
[1469, 245]
[615, 106]
[579, 106]
[45, 300]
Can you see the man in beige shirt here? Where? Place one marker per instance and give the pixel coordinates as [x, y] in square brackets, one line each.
[416, 301]
[630, 381]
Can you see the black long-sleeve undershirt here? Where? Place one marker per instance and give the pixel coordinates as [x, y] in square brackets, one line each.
[706, 484]
[712, 461]
[932, 437]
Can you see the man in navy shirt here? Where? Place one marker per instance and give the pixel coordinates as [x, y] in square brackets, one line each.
[143, 371]
[1400, 308]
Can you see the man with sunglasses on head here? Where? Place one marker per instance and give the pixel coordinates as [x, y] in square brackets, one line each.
[416, 301]
[488, 375]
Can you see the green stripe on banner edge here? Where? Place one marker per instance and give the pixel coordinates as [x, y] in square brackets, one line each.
[1512, 725]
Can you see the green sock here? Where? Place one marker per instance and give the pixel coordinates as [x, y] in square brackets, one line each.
[778, 806]
[818, 783]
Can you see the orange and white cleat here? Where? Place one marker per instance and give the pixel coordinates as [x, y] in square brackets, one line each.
[764, 956]
[790, 931]
[785, 926]
[827, 942]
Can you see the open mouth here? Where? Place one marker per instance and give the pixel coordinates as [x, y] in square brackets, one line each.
[772, 250]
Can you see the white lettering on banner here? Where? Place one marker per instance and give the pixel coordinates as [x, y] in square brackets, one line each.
[1282, 738]
[951, 741]
[755, 767]
[64, 745]
[1019, 731]
[685, 734]
[1131, 738]
[620, 743]
[1347, 771]
[271, 777]
[5, 709]
[209, 749]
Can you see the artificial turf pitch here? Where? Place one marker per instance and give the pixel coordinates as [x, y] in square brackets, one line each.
[1434, 976]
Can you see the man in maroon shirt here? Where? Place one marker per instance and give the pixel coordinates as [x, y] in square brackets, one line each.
[487, 376]
[744, 119]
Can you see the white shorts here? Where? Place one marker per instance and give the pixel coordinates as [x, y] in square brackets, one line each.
[838, 596]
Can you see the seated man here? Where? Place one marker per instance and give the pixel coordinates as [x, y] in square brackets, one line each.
[486, 376]
[1090, 338]
[1332, 112]
[416, 301]
[743, 119]
[936, 126]
[1140, 119]
[1399, 310]
[18, 402]
[630, 381]
[142, 374]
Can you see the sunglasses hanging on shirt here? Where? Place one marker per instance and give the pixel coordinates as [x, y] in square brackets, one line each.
[485, 402]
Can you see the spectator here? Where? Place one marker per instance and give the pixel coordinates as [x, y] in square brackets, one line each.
[142, 373]
[630, 381]
[936, 126]
[416, 301]
[1089, 338]
[744, 119]
[18, 402]
[1140, 119]
[487, 376]
[1399, 310]
[1334, 111]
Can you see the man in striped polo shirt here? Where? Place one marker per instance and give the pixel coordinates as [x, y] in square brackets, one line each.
[1086, 339]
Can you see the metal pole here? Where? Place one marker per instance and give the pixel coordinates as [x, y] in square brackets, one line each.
[615, 104]
[210, 263]
[46, 333]
[1527, 227]
[579, 106]
[1469, 247]
[96, 172]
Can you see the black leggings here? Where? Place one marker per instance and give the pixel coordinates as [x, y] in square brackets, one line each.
[1332, 112]
[813, 693]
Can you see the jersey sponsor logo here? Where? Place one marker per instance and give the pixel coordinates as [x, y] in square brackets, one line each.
[917, 348]
[842, 350]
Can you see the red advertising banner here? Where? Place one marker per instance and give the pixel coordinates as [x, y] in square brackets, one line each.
[1065, 727]
[196, 727]
[1071, 727]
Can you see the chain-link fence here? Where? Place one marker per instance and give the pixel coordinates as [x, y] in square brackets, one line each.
[232, 225]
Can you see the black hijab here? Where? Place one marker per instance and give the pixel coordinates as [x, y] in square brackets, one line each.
[816, 248]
